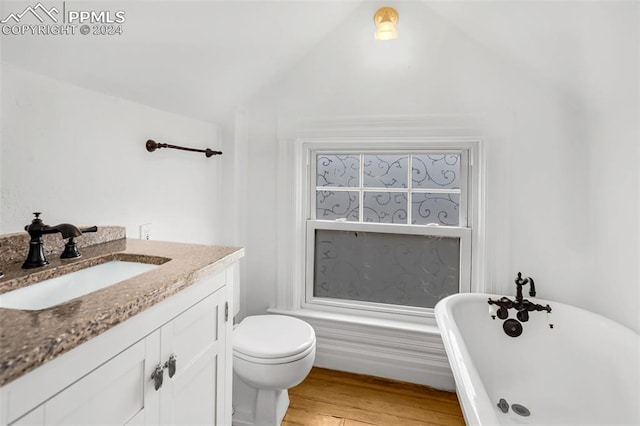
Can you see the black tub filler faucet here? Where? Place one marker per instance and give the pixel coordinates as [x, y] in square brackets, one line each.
[522, 306]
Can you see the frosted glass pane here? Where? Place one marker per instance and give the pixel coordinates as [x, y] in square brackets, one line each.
[338, 170]
[435, 171]
[408, 270]
[332, 205]
[442, 209]
[385, 207]
[385, 171]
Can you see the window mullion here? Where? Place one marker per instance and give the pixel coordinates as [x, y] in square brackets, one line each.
[361, 190]
[436, 191]
[409, 189]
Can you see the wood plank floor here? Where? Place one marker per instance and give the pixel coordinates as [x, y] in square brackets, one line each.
[333, 398]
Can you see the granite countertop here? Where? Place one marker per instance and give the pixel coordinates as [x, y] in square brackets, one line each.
[30, 338]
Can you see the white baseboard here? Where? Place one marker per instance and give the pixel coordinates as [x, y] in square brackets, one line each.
[415, 354]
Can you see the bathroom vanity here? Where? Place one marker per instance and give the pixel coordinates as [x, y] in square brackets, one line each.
[152, 349]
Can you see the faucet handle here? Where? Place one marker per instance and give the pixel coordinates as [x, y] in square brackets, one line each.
[70, 250]
[36, 223]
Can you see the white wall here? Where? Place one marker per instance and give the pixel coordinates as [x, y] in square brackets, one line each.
[614, 287]
[544, 147]
[79, 156]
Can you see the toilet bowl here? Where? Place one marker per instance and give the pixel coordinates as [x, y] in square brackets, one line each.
[271, 353]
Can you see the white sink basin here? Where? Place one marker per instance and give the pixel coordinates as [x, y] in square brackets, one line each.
[54, 291]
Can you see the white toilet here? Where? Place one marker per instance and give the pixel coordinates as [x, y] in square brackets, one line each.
[271, 353]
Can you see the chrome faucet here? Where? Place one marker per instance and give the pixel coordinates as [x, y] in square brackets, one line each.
[36, 230]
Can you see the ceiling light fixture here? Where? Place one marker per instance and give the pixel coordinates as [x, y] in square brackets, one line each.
[386, 19]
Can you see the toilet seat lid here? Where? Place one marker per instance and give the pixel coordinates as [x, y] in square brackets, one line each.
[272, 336]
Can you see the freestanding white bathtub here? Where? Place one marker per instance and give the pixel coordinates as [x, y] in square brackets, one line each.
[583, 371]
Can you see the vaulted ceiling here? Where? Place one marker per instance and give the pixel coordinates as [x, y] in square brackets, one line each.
[203, 58]
[197, 58]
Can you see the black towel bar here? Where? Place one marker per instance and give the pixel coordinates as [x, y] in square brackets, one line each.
[153, 145]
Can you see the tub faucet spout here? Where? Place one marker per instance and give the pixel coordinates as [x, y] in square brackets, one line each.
[521, 282]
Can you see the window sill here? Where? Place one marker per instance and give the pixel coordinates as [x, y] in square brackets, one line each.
[428, 327]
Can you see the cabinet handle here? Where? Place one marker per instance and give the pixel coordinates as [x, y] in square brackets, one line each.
[157, 376]
[171, 365]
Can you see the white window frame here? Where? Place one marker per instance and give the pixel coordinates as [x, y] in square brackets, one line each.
[469, 150]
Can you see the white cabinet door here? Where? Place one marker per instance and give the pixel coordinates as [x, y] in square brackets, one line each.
[196, 339]
[111, 394]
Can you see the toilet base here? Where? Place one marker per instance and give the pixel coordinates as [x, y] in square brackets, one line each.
[258, 407]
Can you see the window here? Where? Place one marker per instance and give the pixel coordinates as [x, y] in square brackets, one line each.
[387, 230]
[380, 188]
